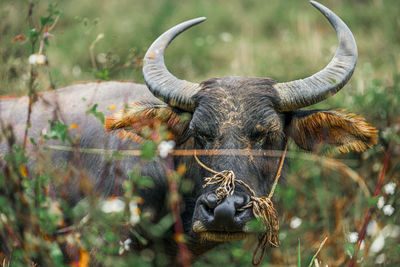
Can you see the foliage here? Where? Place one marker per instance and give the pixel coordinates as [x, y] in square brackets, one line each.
[97, 114]
[46, 45]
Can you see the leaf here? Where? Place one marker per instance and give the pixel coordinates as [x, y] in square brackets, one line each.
[58, 131]
[298, 255]
[256, 226]
[97, 114]
[103, 75]
[110, 236]
[148, 150]
[32, 33]
[350, 248]
[52, 11]
[163, 225]
[33, 141]
[372, 201]
[56, 254]
[140, 238]
[46, 20]
[144, 182]
[16, 156]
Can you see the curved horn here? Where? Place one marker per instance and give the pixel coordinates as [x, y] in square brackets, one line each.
[313, 89]
[161, 82]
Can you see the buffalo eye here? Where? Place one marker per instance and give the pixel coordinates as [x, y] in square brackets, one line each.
[258, 138]
[202, 135]
[261, 135]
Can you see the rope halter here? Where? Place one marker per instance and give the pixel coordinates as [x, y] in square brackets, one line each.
[263, 208]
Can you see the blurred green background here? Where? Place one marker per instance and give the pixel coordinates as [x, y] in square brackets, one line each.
[284, 40]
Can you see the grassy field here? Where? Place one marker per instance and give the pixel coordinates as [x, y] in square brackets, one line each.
[284, 40]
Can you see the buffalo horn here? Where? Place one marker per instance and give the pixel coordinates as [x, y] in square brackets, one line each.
[305, 92]
[177, 93]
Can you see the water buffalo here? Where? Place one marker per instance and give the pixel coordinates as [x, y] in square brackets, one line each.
[230, 114]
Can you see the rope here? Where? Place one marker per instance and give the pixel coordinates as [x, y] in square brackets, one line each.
[263, 207]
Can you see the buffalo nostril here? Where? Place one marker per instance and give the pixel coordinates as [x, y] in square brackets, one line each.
[209, 202]
[241, 209]
[241, 201]
[238, 211]
[209, 210]
[241, 204]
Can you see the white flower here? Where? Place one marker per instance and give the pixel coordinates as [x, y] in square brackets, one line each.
[101, 58]
[388, 210]
[391, 230]
[353, 237]
[113, 205]
[378, 244]
[124, 246]
[362, 246]
[166, 147]
[389, 188]
[118, 205]
[32, 59]
[381, 202]
[372, 228]
[3, 217]
[37, 59]
[380, 259]
[295, 222]
[282, 235]
[134, 210]
[41, 59]
[76, 71]
[226, 37]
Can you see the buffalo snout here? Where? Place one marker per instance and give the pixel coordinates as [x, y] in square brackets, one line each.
[222, 219]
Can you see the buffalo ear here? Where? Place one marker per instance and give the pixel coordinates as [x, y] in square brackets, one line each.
[345, 131]
[143, 120]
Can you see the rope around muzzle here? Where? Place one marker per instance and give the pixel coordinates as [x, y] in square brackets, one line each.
[263, 207]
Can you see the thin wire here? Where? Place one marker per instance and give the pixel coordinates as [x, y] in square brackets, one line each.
[278, 174]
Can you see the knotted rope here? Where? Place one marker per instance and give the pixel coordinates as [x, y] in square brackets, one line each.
[263, 208]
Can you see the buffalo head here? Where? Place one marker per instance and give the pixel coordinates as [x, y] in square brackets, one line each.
[242, 113]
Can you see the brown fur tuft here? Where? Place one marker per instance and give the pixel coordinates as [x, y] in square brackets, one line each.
[346, 131]
[132, 120]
